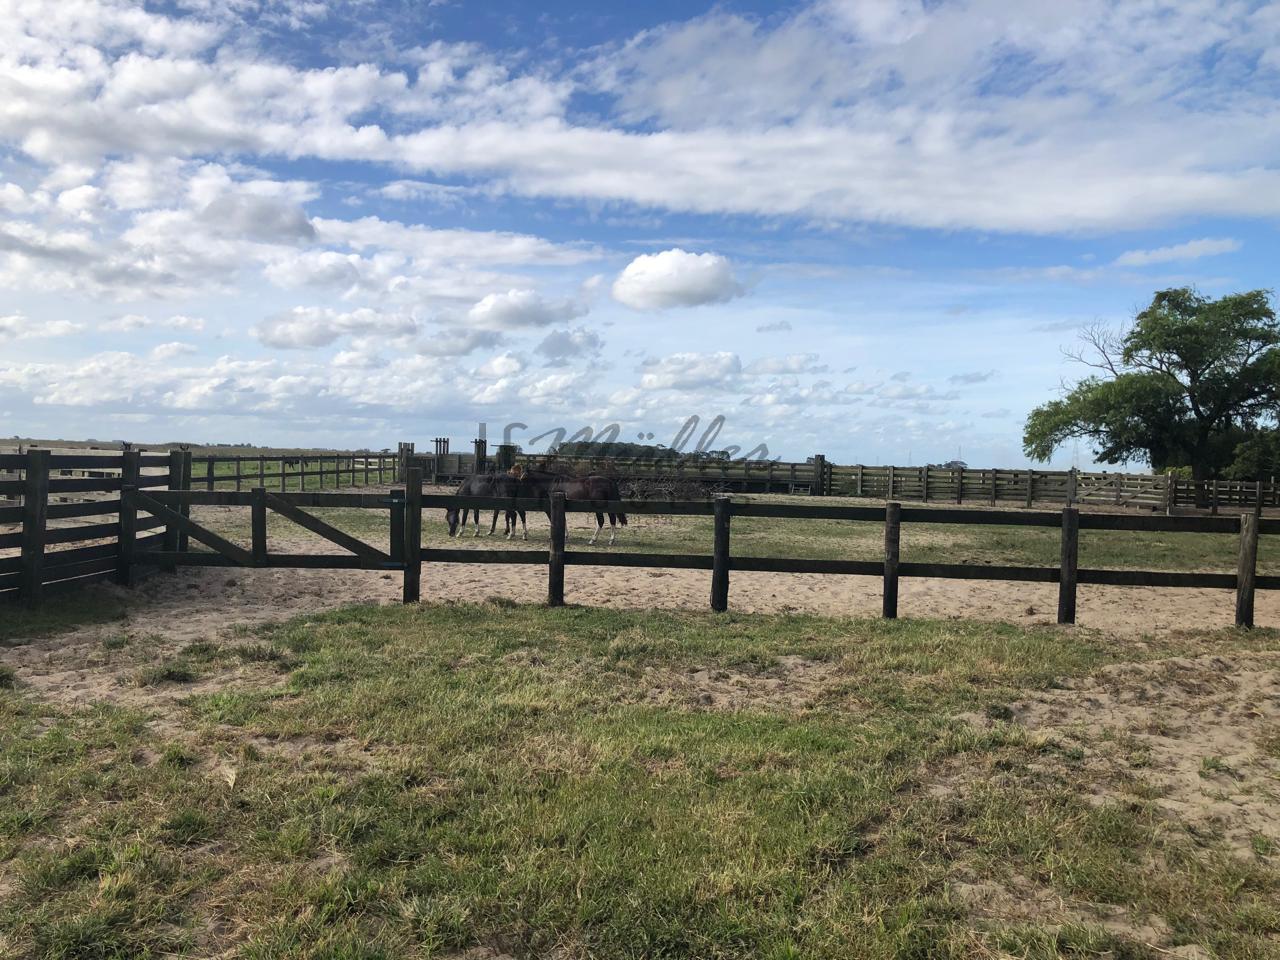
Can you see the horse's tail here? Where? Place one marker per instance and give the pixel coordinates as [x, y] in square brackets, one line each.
[622, 519]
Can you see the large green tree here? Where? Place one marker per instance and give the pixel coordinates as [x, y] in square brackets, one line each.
[1188, 384]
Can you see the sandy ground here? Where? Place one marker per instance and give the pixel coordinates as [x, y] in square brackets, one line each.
[169, 611]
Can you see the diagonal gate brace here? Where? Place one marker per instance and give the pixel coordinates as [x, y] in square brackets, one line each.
[188, 526]
[317, 526]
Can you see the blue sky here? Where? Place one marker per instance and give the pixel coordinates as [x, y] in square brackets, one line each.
[858, 227]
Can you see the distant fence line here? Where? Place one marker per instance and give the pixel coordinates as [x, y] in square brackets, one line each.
[819, 477]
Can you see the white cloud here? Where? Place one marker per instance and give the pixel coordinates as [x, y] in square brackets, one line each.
[521, 308]
[129, 322]
[561, 346]
[676, 278]
[503, 365]
[17, 326]
[1191, 250]
[691, 371]
[795, 363]
[304, 327]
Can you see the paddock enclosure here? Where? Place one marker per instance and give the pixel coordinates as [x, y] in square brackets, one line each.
[157, 493]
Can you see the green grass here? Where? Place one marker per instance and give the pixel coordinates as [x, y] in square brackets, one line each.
[428, 779]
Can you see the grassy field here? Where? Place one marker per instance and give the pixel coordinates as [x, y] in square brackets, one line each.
[414, 782]
[224, 474]
[828, 539]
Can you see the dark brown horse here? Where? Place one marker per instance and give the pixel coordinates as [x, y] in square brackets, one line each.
[542, 484]
[487, 485]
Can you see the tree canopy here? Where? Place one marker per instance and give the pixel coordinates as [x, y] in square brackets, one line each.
[1193, 382]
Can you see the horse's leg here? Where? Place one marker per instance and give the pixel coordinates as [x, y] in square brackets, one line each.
[613, 528]
[493, 524]
[523, 526]
[477, 519]
[599, 527]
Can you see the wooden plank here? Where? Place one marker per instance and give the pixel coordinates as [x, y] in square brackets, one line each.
[412, 588]
[257, 525]
[35, 506]
[978, 571]
[128, 519]
[299, 561]
[555, 559]
[185, 508]
[456, 555]
[60, 558]
[10, 514]
[1069, 573]
[319, 527]
[1156, 578]
[85, 484]
[1246, 569]
[193, 529]
[794, 511]
[70, 571]
[1004, 518]
[171, 532]
[92, 508]
[720, 555]
[10, 564]
[1159, 524]
[892, 545]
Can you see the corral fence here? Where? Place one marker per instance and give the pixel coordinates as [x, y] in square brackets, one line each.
[163, 501]
[818, 477]
[287, 472]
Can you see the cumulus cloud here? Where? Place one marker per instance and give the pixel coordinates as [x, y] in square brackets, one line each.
[130, 322]
[504, 365]
[517, 309]
[561, 346]
[795, 363]
[304, 327]
[691, 371]
[17, 326]
[1191, 250]
[676, 278]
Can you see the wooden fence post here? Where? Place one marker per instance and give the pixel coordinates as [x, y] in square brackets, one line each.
[555, 560]
[1031, 486]
[258, 524]
[858, 491]
[129, 472]
[1073, 483]
[960, 485]
[397, 525]
[208, 473]
[818, 487]
[723, 510]
[171, 530]
[924, 484]
[184, 540]
[35, 518]
[1070, 564]
[1170, 487]
[1213, 493]
[1246, 571]
[1257, 498]
[413, 537]
[889, 494]
[994, 479]
[892, 545]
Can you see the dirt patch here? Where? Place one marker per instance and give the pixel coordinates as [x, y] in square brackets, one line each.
[1201, 734]
[791, 683]
[1018, 899]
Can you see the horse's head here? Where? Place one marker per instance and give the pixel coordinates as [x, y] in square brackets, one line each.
[516, 471]
[451, 516]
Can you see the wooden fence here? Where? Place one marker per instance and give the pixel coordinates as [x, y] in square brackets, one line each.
[927, 484]
[408, 555]
[66, 509]
[294, 471]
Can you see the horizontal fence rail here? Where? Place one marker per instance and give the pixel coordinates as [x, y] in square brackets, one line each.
[146, 508]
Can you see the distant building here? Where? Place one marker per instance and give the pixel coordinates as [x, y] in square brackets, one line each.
[953, 465]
